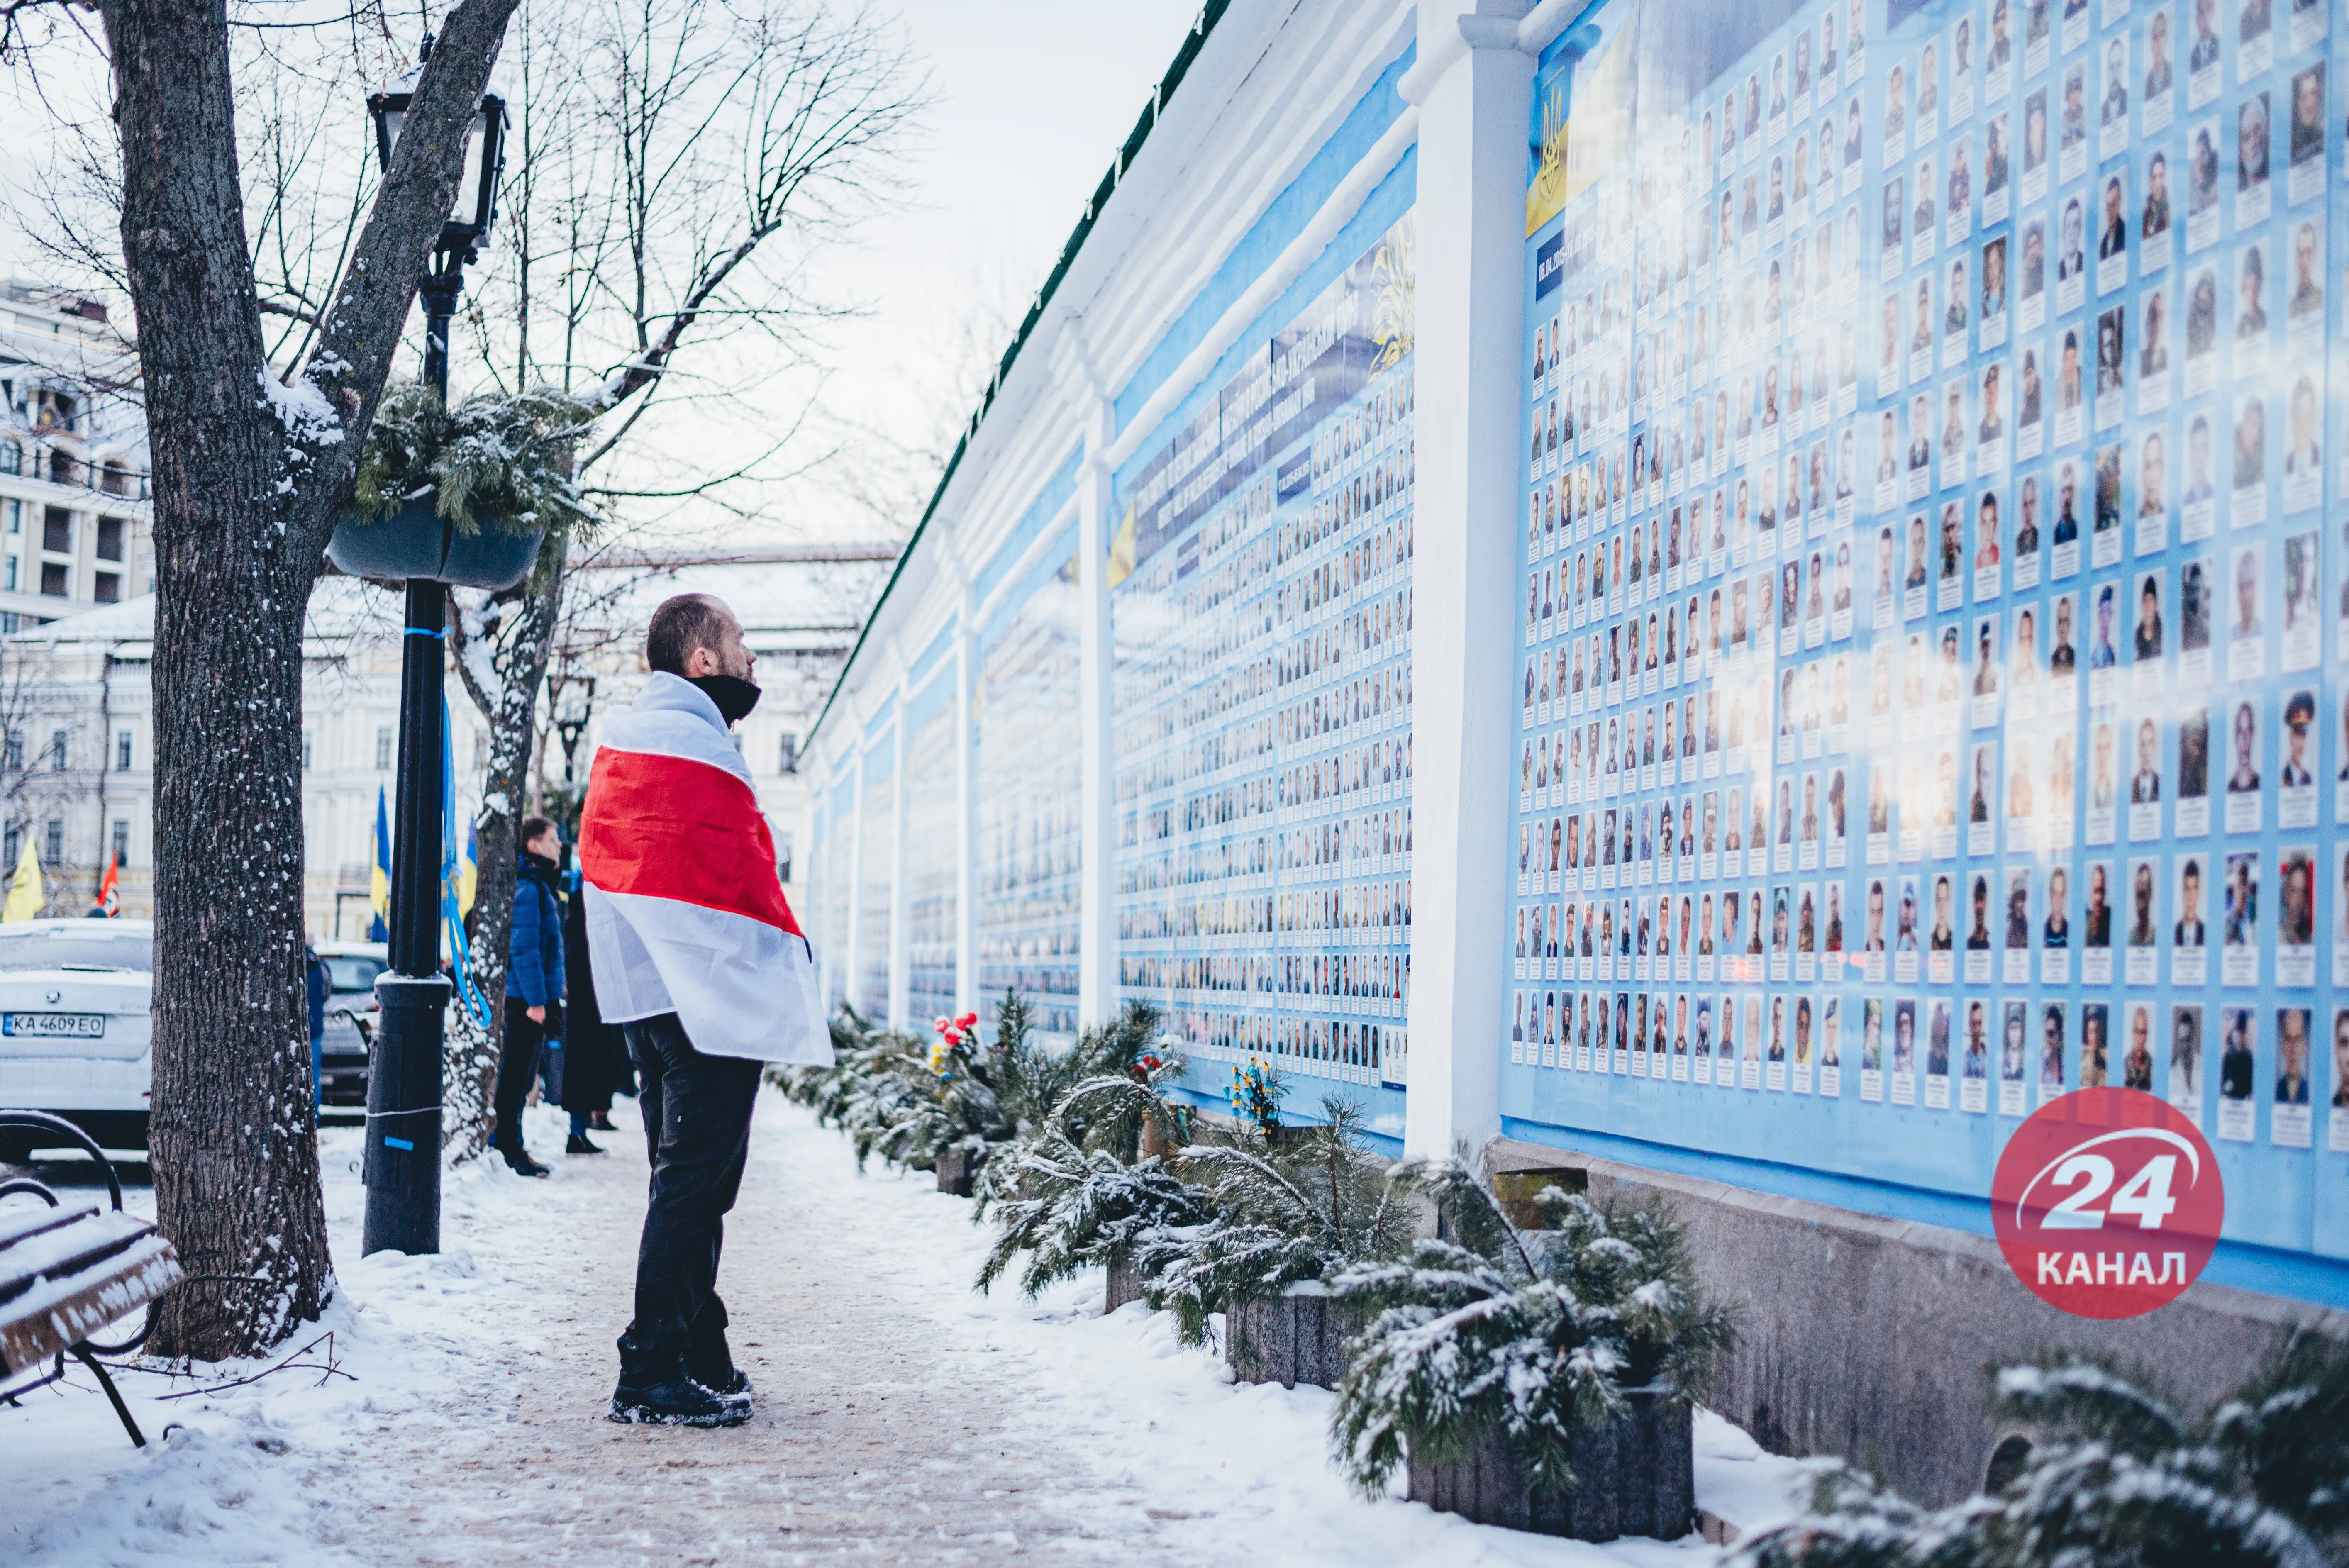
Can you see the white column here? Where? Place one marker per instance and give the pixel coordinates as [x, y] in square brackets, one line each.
[900, 800]
[853, 939]
[966, 679]
[1473, 106]
[1097, 943]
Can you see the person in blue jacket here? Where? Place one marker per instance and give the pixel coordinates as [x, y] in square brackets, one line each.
[314, 982]
[534, 985]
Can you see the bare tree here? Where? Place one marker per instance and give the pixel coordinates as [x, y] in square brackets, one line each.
[48, 747]
[250, 476]
[693, 154]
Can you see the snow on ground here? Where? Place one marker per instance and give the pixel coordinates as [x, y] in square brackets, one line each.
[902, 1416]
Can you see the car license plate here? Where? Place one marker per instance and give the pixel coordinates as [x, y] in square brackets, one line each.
[71, 1025]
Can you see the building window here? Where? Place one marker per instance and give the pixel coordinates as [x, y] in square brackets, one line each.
[62, 469]
[57, 531]
[789, 760]
[12, 843]
[307, 739]
[106, 587]
[12, 579]
[784, 858]
[386, 739]
[16, 753]
[15, 517]
[109, 539]
[121, 843]
[12, 457]
[53, 580]
[53, 832]
[122, 751]
[57, 751]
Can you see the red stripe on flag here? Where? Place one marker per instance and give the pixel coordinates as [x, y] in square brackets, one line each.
[669, 827]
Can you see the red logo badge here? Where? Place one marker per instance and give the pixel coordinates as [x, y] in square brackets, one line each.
[2107, 1202]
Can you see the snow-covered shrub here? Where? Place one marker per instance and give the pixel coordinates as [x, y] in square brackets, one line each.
[503, 456]
[880, 1090]
[1524, 1335]
[1066, 1207]
[2120, 1479]
[909, 1100]
[1298, 1209]
[1085, 1184]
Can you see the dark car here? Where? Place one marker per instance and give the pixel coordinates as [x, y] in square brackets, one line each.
[351, 969]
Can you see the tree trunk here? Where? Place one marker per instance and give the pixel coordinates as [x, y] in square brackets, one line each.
[507, 693]
[234, 1146]
[248, 477]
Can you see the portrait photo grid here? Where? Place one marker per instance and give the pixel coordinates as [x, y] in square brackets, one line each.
[1932, 608]
[1263, 698]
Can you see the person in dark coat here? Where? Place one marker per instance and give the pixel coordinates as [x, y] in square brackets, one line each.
[594, 1051]
[534, 984]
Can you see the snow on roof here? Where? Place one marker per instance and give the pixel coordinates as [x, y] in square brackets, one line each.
[827, 599]
[339, 607]
[767, 596]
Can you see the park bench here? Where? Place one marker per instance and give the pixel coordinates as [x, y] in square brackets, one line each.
[68, 1270]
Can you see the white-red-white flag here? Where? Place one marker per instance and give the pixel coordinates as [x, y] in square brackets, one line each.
[685, 914]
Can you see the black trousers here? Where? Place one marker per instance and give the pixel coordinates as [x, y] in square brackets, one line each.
[698, 1133]
[517, 1065]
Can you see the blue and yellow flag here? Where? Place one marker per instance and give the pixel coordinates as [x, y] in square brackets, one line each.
[379, 876]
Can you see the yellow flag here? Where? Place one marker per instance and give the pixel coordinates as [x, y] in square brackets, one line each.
[25, 896]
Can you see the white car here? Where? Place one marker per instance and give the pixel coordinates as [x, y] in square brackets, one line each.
[76, 1034]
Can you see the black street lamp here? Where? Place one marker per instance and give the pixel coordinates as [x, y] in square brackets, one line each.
[402, 1163]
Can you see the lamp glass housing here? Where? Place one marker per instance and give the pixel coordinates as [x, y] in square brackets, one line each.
[475, 204]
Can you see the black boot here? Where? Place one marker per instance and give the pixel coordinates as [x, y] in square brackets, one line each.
[681, 1403]
[733, 1380]
[519, 1161]
[602, 1122]
[579, 1145]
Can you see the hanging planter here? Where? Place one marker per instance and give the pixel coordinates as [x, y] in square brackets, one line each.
[417, 542]
[465, 497]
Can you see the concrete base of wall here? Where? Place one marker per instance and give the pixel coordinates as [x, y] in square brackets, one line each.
[1871, 1338]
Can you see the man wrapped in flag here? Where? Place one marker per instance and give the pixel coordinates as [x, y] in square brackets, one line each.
[697, 956]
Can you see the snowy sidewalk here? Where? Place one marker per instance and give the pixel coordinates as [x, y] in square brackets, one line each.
[900, 1419]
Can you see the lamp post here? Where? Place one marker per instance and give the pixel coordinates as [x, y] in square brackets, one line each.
[402, 1161]
[574, 703]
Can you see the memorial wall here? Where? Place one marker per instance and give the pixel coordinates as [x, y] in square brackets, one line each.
[1261, 583]
[1924, 607]
[1924, 604]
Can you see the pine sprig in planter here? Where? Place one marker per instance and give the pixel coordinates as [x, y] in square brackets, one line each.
[1529, 1340]
[1285, 1214]
[500, 458]
[1084, 1189]
[2120, 1479]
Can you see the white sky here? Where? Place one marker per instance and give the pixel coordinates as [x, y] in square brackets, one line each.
[1031, 100]
[1028, 100]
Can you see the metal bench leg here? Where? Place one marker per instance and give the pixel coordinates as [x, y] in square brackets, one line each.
[81, 1354]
